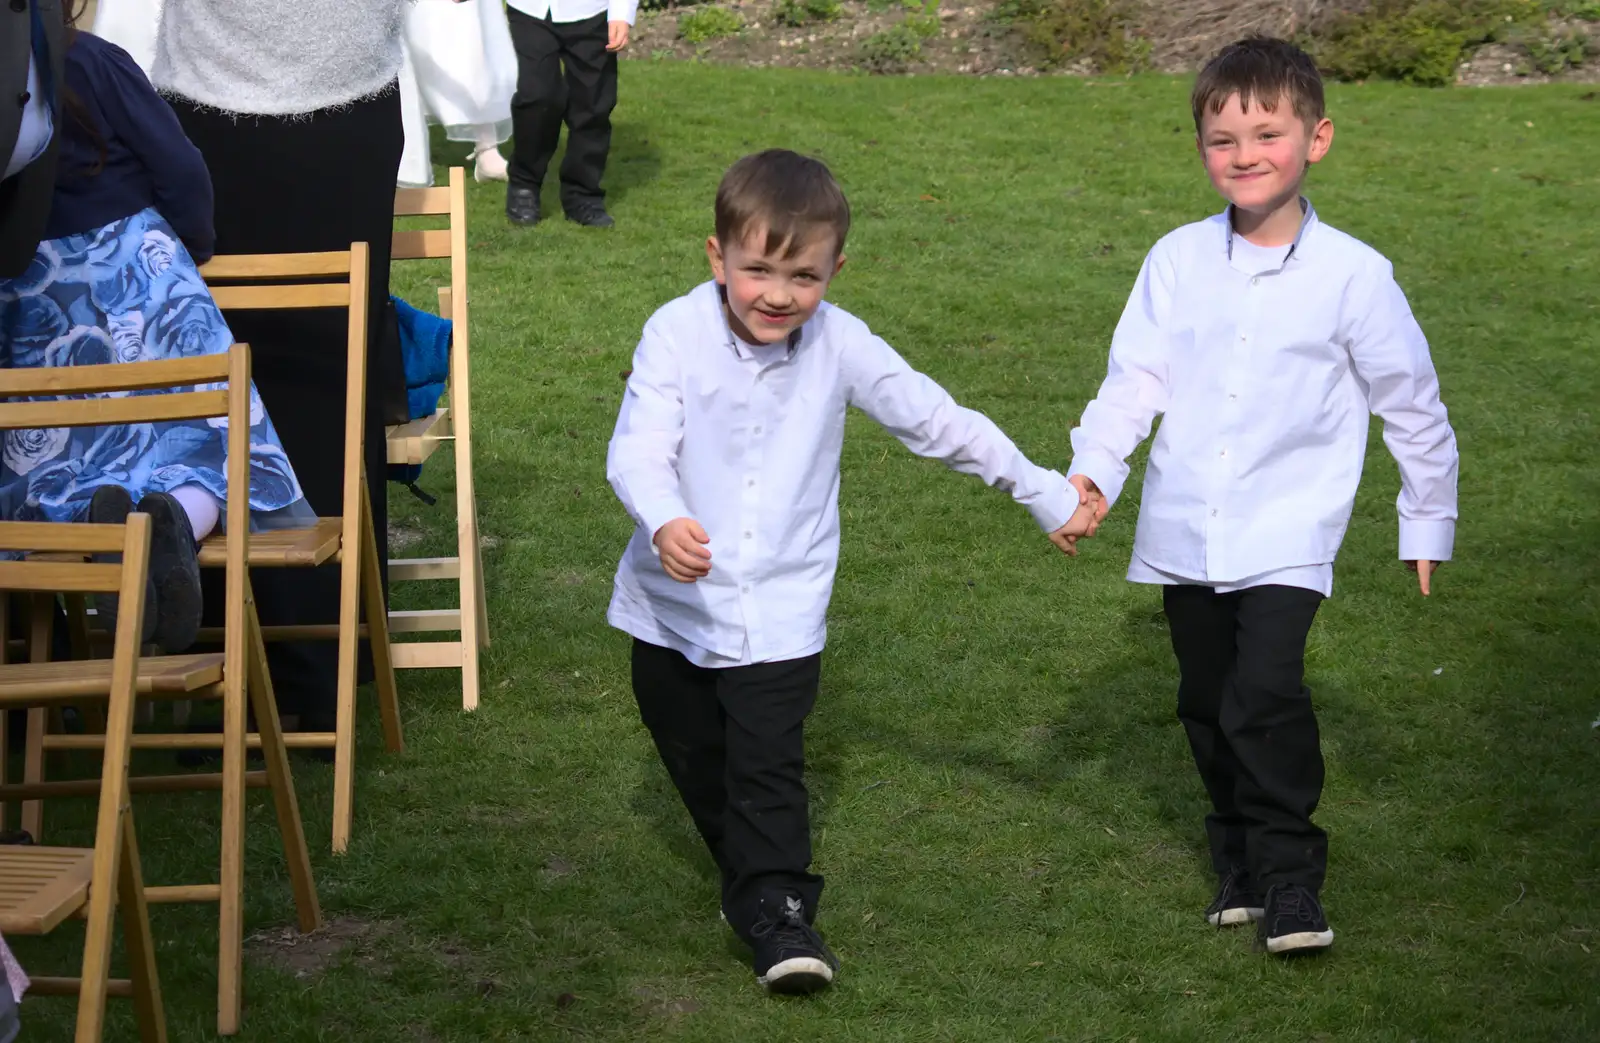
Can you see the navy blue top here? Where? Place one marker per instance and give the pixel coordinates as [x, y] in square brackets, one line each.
[149, 161]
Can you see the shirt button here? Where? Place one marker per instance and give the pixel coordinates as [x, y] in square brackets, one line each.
[1213, 512]
[745, 589]
[751, 483]
[758, 429]
[1232, 397]
[24, 98]
[19, 5]
[1223, 453]
[747, 535]
[1256, 281]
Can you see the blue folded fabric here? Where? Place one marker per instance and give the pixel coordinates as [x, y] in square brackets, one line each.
[425, 352]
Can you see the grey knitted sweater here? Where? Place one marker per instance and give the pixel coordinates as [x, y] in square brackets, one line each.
[277, 57]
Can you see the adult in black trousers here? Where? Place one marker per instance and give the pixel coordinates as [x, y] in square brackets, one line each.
[566, 72]
[309, 183]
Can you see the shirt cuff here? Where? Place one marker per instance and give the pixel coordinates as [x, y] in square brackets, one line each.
[622, 11]
[1107, 474]
[1054, 507]
[657, 513]
[1426, 539]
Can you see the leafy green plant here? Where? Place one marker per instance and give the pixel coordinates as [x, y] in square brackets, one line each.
[1058, 32]
[795, 13]
[1417, 41]
[891, 49]
[1552, 51]
[924, 19]
[709, 23]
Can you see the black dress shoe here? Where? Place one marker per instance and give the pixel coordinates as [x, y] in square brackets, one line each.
[175, 571]
[522, 205]
[590, 215]
[111, 505]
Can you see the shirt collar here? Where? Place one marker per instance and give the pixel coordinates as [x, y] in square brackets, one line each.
[1308, 218]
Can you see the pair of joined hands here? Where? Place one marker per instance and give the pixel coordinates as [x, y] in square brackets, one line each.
[1092, 506]
[681, 542]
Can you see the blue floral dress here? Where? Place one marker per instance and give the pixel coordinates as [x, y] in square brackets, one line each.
[125, 292]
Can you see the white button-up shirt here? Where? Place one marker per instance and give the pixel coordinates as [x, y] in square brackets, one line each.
[1264, 380]
[578, 10]
[746, 441]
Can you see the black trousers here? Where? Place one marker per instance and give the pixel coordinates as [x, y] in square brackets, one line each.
[733, 741]
[303, 183]
[564, 73]
[1244, 704]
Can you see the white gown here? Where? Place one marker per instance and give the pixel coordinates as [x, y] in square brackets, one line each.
[131, 25]
[459, 70]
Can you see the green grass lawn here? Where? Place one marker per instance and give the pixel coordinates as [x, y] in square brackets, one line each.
[1003, 801]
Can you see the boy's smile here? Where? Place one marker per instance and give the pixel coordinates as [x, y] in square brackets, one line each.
[1257, 160]
[771, 295]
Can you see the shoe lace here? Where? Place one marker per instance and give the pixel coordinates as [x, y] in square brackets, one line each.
[1295, 902]
[789, 930]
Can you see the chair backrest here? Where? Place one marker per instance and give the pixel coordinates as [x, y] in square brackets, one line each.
[214, 386]
[439, 243]
[334, 279]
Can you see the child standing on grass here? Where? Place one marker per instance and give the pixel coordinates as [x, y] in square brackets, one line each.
[726, 454]
[1264, 337]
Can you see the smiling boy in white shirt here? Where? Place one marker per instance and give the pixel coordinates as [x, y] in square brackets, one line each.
[1263, 338]
[726, 454]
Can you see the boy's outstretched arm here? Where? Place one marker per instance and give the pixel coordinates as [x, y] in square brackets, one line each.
[642, 460]
[1390, 356]
[1134, 391]
[922, 415]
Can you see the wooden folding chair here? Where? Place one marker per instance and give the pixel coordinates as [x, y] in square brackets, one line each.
[337, 279]
[415, 442]
[221, 388]
[41, 887]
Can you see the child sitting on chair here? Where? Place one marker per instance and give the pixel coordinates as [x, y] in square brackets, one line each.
[726, 454]
[116, 281]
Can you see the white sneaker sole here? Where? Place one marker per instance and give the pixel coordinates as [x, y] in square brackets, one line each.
[801, 975]
[1238, 915]
[1303, 942]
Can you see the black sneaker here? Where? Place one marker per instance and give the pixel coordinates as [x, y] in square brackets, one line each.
[522, 205]
[1237, 901]
[590, 215]
[175, 571]
[790, 956]
[111, 505]
[1294, 922]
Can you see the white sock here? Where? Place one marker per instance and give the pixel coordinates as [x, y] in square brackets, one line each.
[486, 138]
[201, 507]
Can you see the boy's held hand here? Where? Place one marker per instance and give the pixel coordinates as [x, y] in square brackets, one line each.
[1082, 523]
[1090, 494]
[1424, 570]
[682, 546]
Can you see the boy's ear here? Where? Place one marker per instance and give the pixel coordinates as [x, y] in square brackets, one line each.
[1321, 140]
[714, 255]
[838, 265]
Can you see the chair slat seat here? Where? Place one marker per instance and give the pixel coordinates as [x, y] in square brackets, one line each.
[42, 886]
[21, 683]
[280, 548]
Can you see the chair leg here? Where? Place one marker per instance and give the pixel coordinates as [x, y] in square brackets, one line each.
[279, 776]
[41, 609]
[230, 928]
[94, 983]
[471, 589]
[378, 632]
[147, 1005]
[344, 729]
